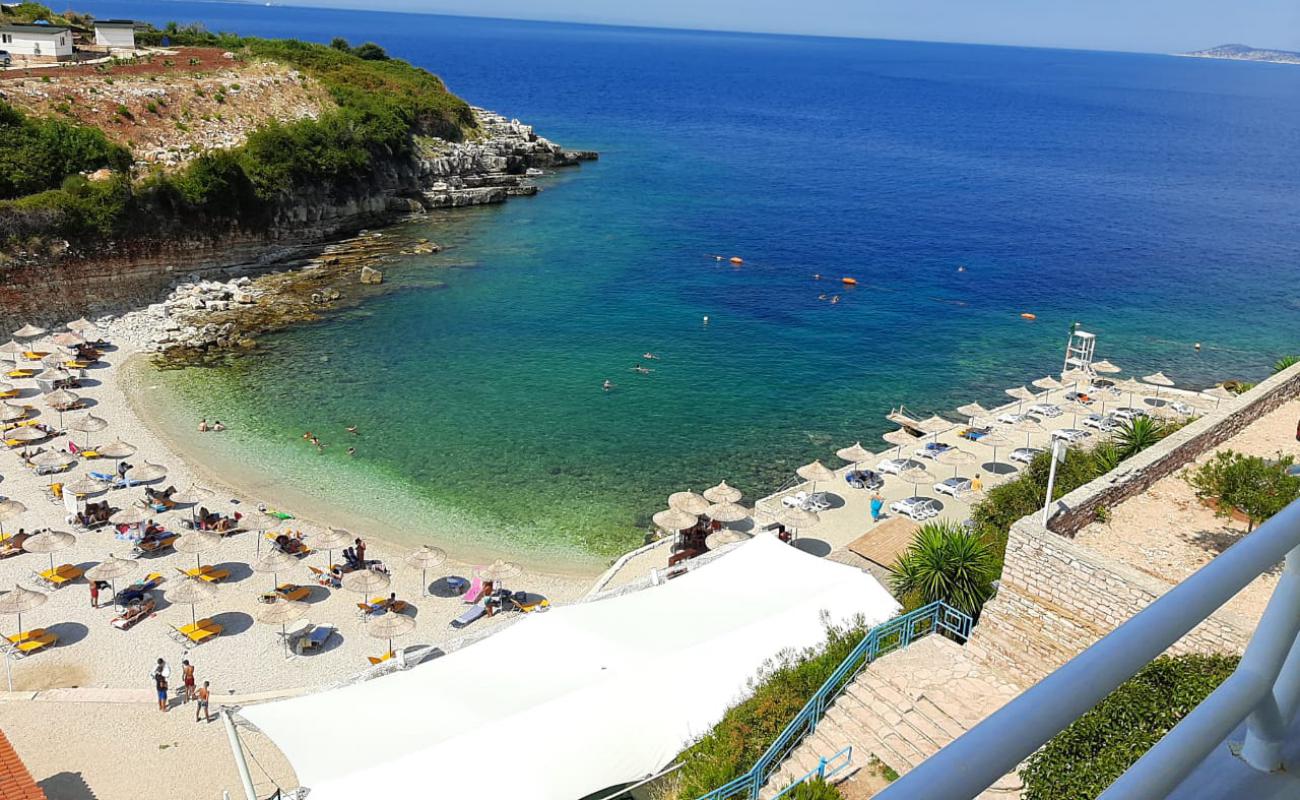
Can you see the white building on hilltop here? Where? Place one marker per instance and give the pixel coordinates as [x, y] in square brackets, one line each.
[39, 43]
[116, 34]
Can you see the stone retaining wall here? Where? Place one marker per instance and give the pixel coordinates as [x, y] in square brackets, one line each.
[1057, 597]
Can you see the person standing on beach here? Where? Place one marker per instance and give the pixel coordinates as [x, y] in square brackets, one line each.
[160, 685]
[187, 675]
[877, 503]
[361, 552]
[201, 709]
[94, 594]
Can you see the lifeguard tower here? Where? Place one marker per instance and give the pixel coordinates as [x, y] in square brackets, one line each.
[1079, 350]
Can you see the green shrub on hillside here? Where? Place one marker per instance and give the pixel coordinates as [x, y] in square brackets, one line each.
[1084, 759]
[945, 562]
[750, 727]
[1251, 485]
[816, 789]
[37, 154]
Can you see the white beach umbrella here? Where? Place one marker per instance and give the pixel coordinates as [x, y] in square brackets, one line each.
[1076, 408]
[29, 332]
[1105, 367]
[19, 600]
[726, 512]
[117, 449]
[955, 458]
[84, 327]
[725, 537]
[994, 440]
[12, 412]
[1021, 394]
[112, 568]
[973, 410]
[816, 471]
[935, 424]
[1158, 379]
[193, 495]
[54, 375]
[690, 502]
[68, 339]
[329, 540]
[674, 519]
[53, 459]
[30, 434]
[87, 423]
[722, 493]
[190, 591]
[281, 613]
[13, 350]
[259, 522]
[854, 454]
[84, 486]
[1049, 383]
[390, 625]
[901, 438]
[498, 570]
[197, 542]
[10, 509]
[1132, 387]
[366, 581]
[799, 518]
[916, 475]
[274, 562]
[49, 542]
[147, 472]
[1028, 427]
[425, 559]
[132, 515]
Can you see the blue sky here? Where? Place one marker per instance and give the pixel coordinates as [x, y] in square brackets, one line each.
[1141, 25]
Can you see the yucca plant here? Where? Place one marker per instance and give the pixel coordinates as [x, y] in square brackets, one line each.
[1139, 434]
[946, 562]
[1285, 362]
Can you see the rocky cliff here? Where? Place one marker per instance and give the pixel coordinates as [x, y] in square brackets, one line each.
[495, 165]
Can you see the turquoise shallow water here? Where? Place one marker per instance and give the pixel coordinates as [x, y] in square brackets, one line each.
[1149, 198]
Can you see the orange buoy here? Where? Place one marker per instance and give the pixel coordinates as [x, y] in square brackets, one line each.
[1027, 315]
[849, 281]
[737, 260]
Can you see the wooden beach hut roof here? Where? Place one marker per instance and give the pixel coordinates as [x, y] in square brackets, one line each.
[884, 543]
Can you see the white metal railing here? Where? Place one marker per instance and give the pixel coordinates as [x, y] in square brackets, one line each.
[1264, 691]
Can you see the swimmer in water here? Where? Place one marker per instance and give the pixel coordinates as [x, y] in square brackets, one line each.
[821, 296]
[352, 429]
[649, 356]
[641, 369]
[352, 451]
[961, 269]
[835, 299]
[607, 385]
[307, 437]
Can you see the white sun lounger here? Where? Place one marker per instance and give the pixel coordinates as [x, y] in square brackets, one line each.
[471, 614]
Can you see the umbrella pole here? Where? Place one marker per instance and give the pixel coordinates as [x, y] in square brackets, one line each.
[194, 617]
[424, 582]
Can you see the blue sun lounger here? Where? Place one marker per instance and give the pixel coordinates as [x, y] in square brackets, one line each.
[471, 614]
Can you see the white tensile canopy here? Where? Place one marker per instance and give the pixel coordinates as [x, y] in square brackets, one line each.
[590, 696]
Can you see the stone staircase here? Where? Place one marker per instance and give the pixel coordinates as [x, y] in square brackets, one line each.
[903, 709]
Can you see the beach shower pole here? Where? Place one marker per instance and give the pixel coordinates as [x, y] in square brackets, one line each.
[237, 748]
[1058, 455]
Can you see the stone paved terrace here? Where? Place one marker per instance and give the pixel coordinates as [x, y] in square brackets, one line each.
[1166, 532]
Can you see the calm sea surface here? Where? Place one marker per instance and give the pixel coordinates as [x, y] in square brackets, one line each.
[1154, 199]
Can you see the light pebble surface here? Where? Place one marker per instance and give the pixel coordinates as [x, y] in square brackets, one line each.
[248, 657]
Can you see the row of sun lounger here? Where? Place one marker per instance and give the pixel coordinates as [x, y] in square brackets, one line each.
[196, 633]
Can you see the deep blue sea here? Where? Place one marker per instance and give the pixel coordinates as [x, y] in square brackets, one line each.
[1153, 199]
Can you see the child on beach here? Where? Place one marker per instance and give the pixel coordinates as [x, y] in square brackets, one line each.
[203, 425]
[160, 684]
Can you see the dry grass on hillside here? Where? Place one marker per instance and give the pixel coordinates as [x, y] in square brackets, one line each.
[171, 108]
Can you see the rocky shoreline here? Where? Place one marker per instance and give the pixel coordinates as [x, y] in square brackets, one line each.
[222, 294]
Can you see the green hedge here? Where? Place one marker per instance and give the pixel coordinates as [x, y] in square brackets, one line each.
[1081, 761]
[750, 727]
[382, 104]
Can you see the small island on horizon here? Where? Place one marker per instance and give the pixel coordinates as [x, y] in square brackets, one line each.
[1242, 52]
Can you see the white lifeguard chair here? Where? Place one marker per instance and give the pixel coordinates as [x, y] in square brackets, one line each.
[1079, 350]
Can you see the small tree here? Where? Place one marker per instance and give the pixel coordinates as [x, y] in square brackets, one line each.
[946, 562]
[370, 52]
[1139, 434]
[339, 43]
[1247, 484]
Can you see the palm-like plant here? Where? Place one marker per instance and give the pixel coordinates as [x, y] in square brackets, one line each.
[1284, 362]
[946, 562]
[1139, 434]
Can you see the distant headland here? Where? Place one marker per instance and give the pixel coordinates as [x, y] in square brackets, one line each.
[1241, 52]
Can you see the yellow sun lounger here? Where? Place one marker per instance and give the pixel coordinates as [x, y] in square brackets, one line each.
[36, 644]
[288, 591]
[19, 638]
[60, 576]
[34, 355]
[20, 373]
[208, 573]
[385, 657]
[89, 454]
[200, 635]
[9, 394]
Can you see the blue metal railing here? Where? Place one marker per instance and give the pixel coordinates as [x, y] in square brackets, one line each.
[826, 768]
[895, 634]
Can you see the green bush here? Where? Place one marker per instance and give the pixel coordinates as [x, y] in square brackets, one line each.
[750, 727]
[945, 562]
[38, 154]
[1081, 761]
[816, 789]
[1247, 484]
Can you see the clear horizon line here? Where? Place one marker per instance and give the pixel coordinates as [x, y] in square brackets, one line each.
[690, 29]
